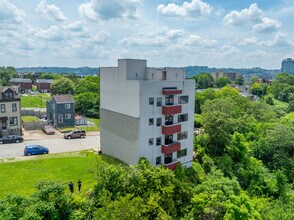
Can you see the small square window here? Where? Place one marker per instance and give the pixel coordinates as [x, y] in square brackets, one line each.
[158, 122]
[67, 116]
[2, 108]
[182, 135]
[182, 153]
[183, 99]
[150, 142]
[151, 121]
[151, 101]
[158, 160]
[158, 141]
[159, 102]
[67, 106]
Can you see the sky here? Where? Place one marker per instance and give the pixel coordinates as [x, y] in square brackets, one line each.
[95, 33]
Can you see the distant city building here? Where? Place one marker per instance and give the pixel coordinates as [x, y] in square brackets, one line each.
[231, 76]
[288, 65]
[44, 85]
[147, 112]
[25, 85]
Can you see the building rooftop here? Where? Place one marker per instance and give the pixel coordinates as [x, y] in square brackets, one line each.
[64, 98]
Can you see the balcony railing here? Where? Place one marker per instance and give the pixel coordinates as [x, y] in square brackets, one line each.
[173, 165]
[171, 91]
[171, 129]
[171, 110]
[170, 148]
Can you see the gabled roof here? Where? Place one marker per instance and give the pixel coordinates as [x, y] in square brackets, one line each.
[20, 80]
[4, 89]
[63, 99]
[44, 80]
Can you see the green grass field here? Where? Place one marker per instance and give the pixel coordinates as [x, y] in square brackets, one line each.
[34, 101]
[29, 118]
[95, 127]
[20, 177]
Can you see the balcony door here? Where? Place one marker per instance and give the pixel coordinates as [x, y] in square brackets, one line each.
[168, 158]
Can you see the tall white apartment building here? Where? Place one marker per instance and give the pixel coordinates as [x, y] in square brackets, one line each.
[146, 112]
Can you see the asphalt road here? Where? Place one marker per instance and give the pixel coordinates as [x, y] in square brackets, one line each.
[56, 145]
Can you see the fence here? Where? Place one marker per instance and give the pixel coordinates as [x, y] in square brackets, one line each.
[34, 112]
[35, 125]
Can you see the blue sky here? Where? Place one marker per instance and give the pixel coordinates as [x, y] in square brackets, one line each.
[214, 33]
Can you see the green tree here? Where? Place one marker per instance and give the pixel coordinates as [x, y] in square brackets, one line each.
[259, 89]
[203, 80]
[240, 80]
[222, 81]
[62, 86]
[6, 73]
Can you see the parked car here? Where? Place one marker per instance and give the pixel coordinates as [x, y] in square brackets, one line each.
[75, 134]
[35, 149]
[11, 139]
[48, 129]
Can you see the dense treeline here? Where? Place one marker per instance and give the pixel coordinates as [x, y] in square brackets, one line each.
[6, 73]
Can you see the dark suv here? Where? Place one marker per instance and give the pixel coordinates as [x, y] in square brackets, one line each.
[75, 134]
[11, 139]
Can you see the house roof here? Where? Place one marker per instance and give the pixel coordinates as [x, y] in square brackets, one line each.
[44, 80]
[64, 99]
[5, 88]
[20, 80]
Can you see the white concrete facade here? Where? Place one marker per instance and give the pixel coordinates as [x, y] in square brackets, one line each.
[126, 94]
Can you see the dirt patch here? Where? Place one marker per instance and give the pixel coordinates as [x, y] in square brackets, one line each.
[39, 134]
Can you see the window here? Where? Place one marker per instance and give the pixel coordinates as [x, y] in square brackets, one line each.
[183, 117]
[183, 99]
[14, 107]
[13, 121]
[150, 141]
[60, 118]
[158, 122]
[67, 106]
[169, 120]
[159, 102]
[182, 153]
[158, 160]
[182, 135]
[169, 100]
[151, 121]
[8, 95]
[158, 141]
[2, 108]
[168, 139]
[151, 101]
[67, 116]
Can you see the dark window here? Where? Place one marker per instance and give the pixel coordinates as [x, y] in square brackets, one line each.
[14, 107]
[150, 142]
[158, 141]
[182, 153]
[168, 139]
[13, 121]
[182, 135]
[169, 100]
[169, 120]
[183, 99]
[151, 121]
[2, 108]
[168, 158]
[158, 160]
[159, 102]
[158, 122]
[183, 117]
[67, 106]
[151, 101]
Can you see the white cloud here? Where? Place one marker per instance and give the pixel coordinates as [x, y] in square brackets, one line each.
[252, 16]
[267, 25]
[97, 10]
[248, 15]
[77, 26]
[195, 40]
[54, 33]
[279, 40]
[249, 41]
[174, 34]
[10, 14]
[194, 9]
[100, 38]
[50, 10]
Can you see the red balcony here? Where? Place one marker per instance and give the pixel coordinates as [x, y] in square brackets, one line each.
[171, 91]
[171, 129]
[172, 165]
[168, 149]
[171, 110]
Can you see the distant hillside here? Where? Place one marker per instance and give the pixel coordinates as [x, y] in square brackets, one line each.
[194, 70]
[58, 70]
[189, 70]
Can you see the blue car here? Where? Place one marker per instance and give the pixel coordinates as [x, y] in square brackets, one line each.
[35, 149]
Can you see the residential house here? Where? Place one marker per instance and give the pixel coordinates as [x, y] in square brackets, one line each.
[25, 85]
[44, 85]
[61, 111]
[9, 111]
[80, 120]
[147, 112]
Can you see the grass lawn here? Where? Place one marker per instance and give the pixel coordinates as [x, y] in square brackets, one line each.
[95, 127]
[20, 177]
[29, 118]
[34, 101]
